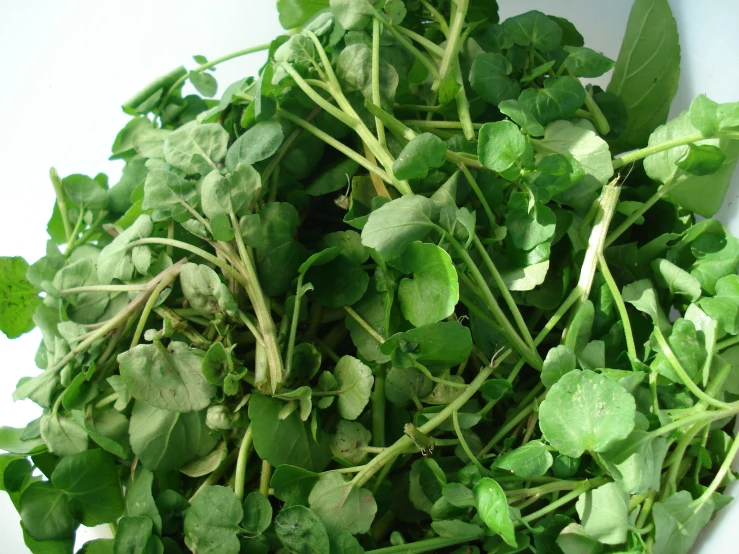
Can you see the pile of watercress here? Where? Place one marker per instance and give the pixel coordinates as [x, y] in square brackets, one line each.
[416, 287]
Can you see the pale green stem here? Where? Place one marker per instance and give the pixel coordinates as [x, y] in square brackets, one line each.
[366, 326]
[584, 487]
[721, 473]
[61, 201]
[240, 474]
[149, 306]
[376, 96]
[465, 446]
[265, 478]
[631, 157]
[620, 305]
[453, 43]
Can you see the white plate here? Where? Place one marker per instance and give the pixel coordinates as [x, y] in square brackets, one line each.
[67, 65]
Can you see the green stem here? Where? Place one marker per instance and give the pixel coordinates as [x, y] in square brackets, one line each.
[318, 99]
[646, 509]
[676, 458]
[465, 446]
[584, 487]
[531, 356]
[726, 343]
[348, 152]
[480, 196]
[425, 124]
[620, 305]
[61, 201]
[406, 442]
[376, 96]
[214, 477]
[405, 43]
[511, 303]
[293, 327]
[515, 420]
[102, 288]
[636, 214]
[631, 157]
[463, 105]
[418, 547]
[264, 478]
[599, 120]
[378, 408]
[366, 326]
[438, 17]
[682, 374]
[106, 401]
[213, 63]
[149, 306]
[721, 473]
[453, 43]
[240, 474]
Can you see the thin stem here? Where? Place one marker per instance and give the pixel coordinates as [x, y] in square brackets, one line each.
[423, 58]
[240, 474]
[620, 305]
[406, 442]
[636, 214]
[366, 326]
[677, 456]
[682, 374]
[252, 327]
[149, 306]
[318, 99]
[378, 408]
[599, 120]
[425, 124]
[418, 547]
[480, 196]
[213, 63]
[61, 201]
[103, 288]
[376, 96]
[631, 157]
[511, 423]
[721, 473]
[293, 327]
[510, 302]
[453, 44]
[724, 344]
[532, 357]
[107, 400]
[438, 17]
[584, 487]
[573, 297]
[465, 446]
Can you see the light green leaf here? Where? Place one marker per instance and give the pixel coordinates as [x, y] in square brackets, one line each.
[294, 13]
[646, 74]
[352, 14]
[522, 117]
[533, 459]
[231, 194]
[403, 385]
[678, 520]
[208, 463]
[303, 396]
[139, 499]
[349, 440]
[292, 484]
[424, 152]
[501, 145]
[167, 378]
[301, 532]
[391, 228]
[635, 463]
[535, 29]
[212, 522]
[676, 279]
[604, 513]
[204, 290]
[63, 436]
[257, 514]
[584, 62]
[166, 192]
[586, 411]
[115, 260]
[355, 386]
[256, 144]
[18, 298]
[493, 509]
[559, 362]
[724, 306]
[341, 506]
[560, 98]
[427, 481]
[195, 148]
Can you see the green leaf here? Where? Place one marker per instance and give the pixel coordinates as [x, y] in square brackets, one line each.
[257, 514]
[63, 436]
[114, 261]
[338, 282]
[703, 159]
[492, 506]
[678, 520]
[258, 143]
[535, 29]
[458, 495]
[424, 152]
[167, 378]
[212, 522]
[533, 459]
[580, 141]
[341, 506]
[196, 148]
[345, 543]
[204, 290]
[12, 440]
[204, 83]
[724, 306]
[574, 540]
[701, 194]
[46, 513]
[391, 228]
[489, 77]
[440, 345]
[403, 385]
[636, 463]
[292, 484]
[208, 463]
[165, 440]
[85, 192]
[560, 98]
[528, 229]
[349, 440]
[604, 513]
[586, 411]
[334, 178]
[643, 296]
[427, 481]
[134, 536]
[353, 15]
[676, 279]
[139, 499]
[584, 62]
[301, 532]
[231, 194]
[647, 71]
[433, 292]
[355, 386]
[285, 441]
[303, 396]
[280, 255]
[90, 480]
[501, 145]
[456, 529]
[294, 13]
[559, 362]
[687, 346]
[19, 298]
[522, 117]
[354, 71]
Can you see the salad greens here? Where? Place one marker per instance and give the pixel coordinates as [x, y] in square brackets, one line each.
[416, 287]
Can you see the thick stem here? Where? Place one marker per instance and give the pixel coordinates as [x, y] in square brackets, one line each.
[636, 214]
[599, 120]
[61, 201]
[453, 43]
[424, 59]
[240, 475]
[265, 478]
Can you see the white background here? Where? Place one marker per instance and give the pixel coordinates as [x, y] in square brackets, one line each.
[68, 65]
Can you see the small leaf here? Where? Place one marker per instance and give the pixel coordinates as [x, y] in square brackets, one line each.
[355, 386]
[604, 513]
[533, 459]
[257, 514]
[489, 77]
[424, 152]
[501, 145]
[301, 532]
[493, 509]
[584, 62]
[342, 506]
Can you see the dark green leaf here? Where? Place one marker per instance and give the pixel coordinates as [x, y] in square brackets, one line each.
[211, 523]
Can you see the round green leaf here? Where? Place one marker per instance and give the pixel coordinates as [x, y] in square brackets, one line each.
[348, 441]
[422, 153]
[586, 411]
[341, 506]
[212, 522]
[501, 145]
[535, 29]
[301, 532]
[355, 386]
[533, 459]
[257, 513]
[489, 77]
[45, 513]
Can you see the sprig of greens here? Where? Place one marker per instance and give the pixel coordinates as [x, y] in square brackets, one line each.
[415, 287]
